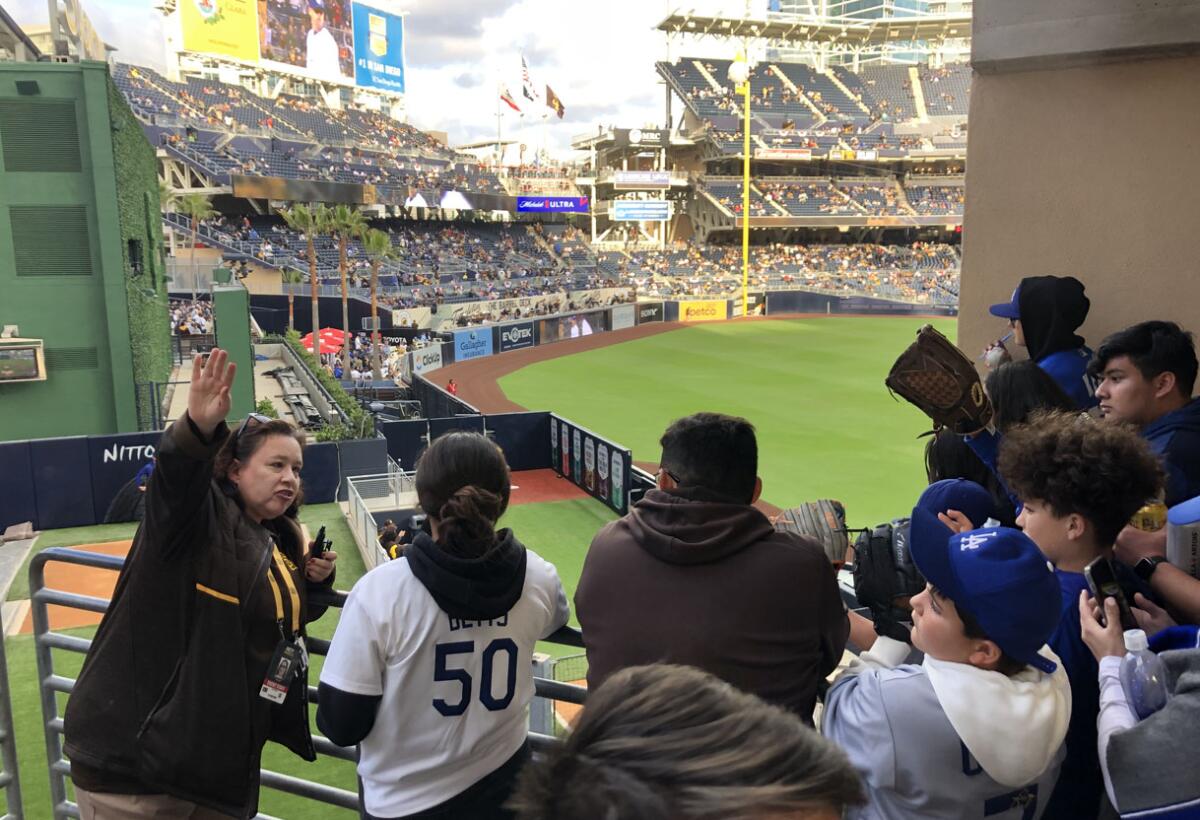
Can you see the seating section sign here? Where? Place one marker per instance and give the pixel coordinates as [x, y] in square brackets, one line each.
[596, 465]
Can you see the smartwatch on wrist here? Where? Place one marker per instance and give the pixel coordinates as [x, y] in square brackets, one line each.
[1145, 567]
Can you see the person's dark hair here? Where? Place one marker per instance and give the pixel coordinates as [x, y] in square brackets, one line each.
[1153, 347]
[1103, 472]
[948, 456]
[1017, 389]
[713, 451]
[463, 482]
[674, 743]
[241, 446]
[1007, 665]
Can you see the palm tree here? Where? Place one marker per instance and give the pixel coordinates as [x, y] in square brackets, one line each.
[378, 245]
[291, 276]
[196, 207]
[346, 223]
[310, 222]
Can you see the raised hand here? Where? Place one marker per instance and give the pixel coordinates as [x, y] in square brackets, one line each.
[208, 398]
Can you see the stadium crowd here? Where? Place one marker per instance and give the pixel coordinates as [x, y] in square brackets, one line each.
[190, 318]
[1030, 647]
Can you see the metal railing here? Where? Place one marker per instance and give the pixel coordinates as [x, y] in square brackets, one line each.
[393, 490]
[10, 779]
[51, 684]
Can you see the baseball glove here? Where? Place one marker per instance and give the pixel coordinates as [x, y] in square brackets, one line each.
[938, 378]
[884, 571]
[824, 521]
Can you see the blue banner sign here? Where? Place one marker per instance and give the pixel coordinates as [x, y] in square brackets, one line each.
[553, 205]
[378, 49]
[472, 344]
[641, 210]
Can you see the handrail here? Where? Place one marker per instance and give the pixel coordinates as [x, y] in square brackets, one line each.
[52, 684]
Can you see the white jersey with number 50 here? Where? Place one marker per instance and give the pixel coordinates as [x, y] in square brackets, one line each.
[454, 693]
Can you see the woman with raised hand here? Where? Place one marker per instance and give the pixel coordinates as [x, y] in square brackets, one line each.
[200, 658]
[430, 669]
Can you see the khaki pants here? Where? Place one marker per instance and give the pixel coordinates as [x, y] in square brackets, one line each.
[96, 806]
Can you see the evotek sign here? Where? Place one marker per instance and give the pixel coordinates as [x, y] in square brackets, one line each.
[515, 337]
[472, 344]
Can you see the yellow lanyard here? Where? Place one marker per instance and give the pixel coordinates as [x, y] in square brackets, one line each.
[293, 593]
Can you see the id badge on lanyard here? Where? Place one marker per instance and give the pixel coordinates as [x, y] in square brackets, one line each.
[291, 656]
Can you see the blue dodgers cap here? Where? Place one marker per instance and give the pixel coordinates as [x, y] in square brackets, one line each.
[999, 576]
[317, 5]
[958, 494]
[1010, 309]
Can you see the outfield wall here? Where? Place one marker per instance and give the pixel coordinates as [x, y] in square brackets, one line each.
[486, 340]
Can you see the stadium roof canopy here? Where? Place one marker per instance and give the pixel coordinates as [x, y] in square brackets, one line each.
[852, 32]
[11, 35]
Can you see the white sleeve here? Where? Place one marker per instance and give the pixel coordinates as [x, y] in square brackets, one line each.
[558, 611]
[1115, 715]
[356, 657]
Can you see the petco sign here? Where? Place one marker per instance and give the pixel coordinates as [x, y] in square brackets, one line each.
[472, 344]
[515, 337]
[426, 359]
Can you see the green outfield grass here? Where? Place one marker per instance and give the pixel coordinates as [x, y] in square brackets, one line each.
[559, 531]
[827, 426]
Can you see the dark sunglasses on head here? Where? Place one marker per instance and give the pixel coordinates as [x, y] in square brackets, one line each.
[256, 417]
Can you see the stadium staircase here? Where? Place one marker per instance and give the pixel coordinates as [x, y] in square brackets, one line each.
[803, 98]
[856, 98]
[901, 196]
[780, 210]
[716, 86]
[918, 93]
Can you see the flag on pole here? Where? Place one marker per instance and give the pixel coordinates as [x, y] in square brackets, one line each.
[526, 83]
[508, 98]
[552, 101]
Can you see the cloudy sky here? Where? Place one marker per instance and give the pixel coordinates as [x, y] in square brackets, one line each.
[598, 57]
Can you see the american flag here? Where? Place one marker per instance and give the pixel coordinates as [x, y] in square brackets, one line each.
[526, 83]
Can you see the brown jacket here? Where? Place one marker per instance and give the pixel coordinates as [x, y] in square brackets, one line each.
[689, 578]
[167, 700]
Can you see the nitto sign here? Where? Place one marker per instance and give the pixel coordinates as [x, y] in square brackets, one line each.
[124, 452]
[515, 337]
[472, 344]
[650, 313]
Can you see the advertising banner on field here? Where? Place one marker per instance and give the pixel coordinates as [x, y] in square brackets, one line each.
[803, 154]
[516, 337]
[378, 49]
[553, 204]
[624, 316]
[472, 344]
[597, 466]
[225, 27]
[649, 312]
[640, 210]
[426, 359]
[633, 180]
[707, 311]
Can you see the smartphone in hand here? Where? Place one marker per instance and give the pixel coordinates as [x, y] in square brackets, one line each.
[321, 545]
[1102, 580]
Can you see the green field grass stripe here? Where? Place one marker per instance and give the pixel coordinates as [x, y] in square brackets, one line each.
[813, 388]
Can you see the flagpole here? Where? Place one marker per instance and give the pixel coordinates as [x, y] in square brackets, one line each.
[499, 114]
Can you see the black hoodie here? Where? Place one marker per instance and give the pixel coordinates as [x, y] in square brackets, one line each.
[1052, 309]
[688, 577]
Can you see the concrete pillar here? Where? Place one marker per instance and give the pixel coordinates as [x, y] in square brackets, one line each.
[1084, 128]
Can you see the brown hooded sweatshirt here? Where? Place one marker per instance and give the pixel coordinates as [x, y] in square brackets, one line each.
[688, 577]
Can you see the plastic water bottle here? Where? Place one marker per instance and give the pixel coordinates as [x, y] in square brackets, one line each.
[1142, 676]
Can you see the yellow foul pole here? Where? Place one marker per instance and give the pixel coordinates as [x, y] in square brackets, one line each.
[746, 199]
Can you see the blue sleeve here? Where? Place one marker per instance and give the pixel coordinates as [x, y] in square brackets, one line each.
[1069, 369]
[986, 445]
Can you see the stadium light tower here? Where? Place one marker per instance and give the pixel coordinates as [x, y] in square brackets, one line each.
[739, 75]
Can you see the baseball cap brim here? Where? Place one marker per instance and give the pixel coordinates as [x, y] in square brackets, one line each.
[1005, 310]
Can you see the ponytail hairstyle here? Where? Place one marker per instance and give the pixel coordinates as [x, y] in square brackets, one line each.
[463, 482]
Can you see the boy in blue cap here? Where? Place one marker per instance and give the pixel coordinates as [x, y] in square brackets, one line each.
[977, 729]
[1044, 313]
